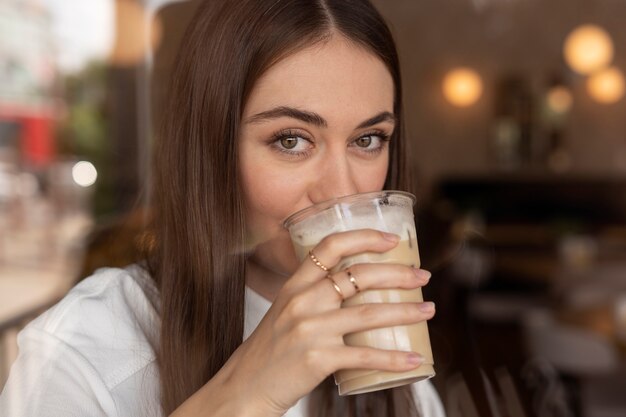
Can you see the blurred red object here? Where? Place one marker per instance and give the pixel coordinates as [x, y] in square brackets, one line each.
[36, 137]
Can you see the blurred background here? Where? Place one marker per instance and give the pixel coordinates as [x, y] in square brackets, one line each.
[516, 116]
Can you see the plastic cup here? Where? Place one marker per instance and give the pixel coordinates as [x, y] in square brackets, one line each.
[388, 211]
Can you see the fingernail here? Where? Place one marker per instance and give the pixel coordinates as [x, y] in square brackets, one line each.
[392, 237]
[427, 307]
[414, 358]
[422, 274]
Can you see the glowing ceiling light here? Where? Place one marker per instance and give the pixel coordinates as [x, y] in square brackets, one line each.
[606, 86]
[462, 87]
[588, 48]
[559, 99]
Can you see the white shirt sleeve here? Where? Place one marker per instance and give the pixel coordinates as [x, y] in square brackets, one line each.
[50, 378]
[91, 355]
[427, 399]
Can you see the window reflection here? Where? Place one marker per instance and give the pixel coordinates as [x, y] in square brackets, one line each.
[522, 214]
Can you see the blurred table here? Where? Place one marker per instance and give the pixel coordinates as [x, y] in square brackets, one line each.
[37, 268]
[25, 290]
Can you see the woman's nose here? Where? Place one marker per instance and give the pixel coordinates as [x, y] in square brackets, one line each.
[335, 179]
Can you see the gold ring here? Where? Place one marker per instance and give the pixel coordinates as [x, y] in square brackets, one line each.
[332, 281]
[353, 280]
[317, 261]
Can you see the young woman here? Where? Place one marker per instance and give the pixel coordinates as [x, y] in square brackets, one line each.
[275, 105]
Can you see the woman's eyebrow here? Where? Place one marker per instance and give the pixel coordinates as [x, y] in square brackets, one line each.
[283, 111]
[314, 118]
[379, 118]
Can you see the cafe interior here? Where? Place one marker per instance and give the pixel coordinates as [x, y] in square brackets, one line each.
[515, 114]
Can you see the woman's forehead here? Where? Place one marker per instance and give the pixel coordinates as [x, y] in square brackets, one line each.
[326, 78]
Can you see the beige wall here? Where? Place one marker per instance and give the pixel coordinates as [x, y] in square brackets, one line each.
[496, 38]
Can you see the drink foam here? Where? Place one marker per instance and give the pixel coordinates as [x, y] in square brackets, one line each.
[336, 219]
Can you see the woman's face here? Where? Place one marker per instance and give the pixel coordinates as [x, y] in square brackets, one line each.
[316, 127]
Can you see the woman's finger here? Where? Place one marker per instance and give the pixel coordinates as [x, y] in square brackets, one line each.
[372, 316]
[330, 250]
[325, 296]
[348, 357]
[362, 277]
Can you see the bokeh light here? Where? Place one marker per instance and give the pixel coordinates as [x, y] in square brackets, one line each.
[588, 48]
[606, 86]
[462, 87]
[84, 173]
[559, 99]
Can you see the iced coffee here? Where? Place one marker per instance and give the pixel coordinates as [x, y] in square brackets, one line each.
[388, 211]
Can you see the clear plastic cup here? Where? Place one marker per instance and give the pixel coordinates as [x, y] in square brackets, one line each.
[387, 211]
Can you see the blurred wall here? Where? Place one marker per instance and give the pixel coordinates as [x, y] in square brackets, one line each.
[498, 38]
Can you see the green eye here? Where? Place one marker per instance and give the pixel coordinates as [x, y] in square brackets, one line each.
[364, 141]
[289, 143]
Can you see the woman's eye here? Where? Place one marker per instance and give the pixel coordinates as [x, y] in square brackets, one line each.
[363, 142]
[289, 143]
[371, 143]
[292, 144]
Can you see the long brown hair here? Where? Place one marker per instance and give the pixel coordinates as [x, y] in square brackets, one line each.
[199, 225]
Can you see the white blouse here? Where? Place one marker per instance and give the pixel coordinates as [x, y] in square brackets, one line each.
[92, 354]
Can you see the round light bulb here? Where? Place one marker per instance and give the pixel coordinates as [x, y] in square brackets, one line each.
[588, 48]
[462, 87]
[559, 99]
[84, 173]
[606, 86]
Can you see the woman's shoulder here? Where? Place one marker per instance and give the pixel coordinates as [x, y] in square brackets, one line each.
[131, 288]
[109, 319]
[113, 292]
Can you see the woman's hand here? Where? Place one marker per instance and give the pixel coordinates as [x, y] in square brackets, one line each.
[300, 340]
